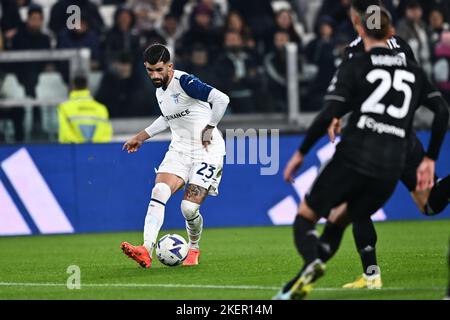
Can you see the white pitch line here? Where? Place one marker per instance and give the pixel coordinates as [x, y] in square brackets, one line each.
[196, 286]
[137, 285]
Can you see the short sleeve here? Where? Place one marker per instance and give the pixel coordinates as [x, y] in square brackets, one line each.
[342, 84]
[194, 87]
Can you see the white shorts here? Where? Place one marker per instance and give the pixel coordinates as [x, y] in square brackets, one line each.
[204, 174]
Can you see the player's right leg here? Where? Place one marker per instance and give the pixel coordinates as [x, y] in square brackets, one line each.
[373, 195]
[166, 184]
[365, 238]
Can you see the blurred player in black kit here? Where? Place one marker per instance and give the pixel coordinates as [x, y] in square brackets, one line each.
[431, 199]
[382, 90]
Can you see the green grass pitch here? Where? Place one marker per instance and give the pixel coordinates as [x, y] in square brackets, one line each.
[236, 263]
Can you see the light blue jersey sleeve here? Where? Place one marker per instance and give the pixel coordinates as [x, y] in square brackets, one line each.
[194, 87]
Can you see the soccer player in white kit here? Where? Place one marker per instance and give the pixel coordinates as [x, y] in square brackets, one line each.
[192, 110]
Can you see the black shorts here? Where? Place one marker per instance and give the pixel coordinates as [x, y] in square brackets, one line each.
[414, 157]
[338, 183]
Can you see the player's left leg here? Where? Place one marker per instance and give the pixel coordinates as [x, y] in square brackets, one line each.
[430, 202]
[307, 242]
[438, 197]
[434, 201]
[194, 196]
[448, 265]
[322, 198]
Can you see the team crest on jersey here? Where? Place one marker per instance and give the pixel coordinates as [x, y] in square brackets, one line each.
[175, 97]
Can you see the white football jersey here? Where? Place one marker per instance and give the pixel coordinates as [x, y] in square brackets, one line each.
[184, 106]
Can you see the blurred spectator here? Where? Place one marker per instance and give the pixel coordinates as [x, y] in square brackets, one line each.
[320, 52]
[81, 118]
[413, 30]
[59, 15]
[114, 2]
[441, 69]
[30, 37]
[258, 14]
[218, 19]
[151, 37]
[83, 37]
[301, 8]
[149, 13]
[345, 26]
[236, 23]
[275, 68]
[200, 66]
[169, 34]
[237, 74]
[336, 9]
[123, 91]
[427, 6]
[122, 37]
[285, 23]
[339, 11]
[437, 25]
[218, 8]
[9, 20]
[177, 8]
[391, 6]
[201, 31]
[341, 42]
[23, 3]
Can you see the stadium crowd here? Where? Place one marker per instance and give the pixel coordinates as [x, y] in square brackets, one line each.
[237, 46]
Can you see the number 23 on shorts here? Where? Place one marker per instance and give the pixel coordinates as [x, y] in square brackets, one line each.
[206, 170]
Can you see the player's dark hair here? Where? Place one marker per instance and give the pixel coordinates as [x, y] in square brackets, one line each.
[381, 31]
[156, 53]
[361, 6]
[79, 82]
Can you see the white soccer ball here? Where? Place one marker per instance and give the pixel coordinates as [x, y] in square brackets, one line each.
[171, 249]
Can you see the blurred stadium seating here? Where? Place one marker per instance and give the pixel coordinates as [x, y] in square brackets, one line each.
[177, 23]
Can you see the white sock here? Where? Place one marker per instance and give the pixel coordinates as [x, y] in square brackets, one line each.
[194, 222]
[194, 229]
[155, 215]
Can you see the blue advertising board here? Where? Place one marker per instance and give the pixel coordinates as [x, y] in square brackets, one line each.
[98, 187]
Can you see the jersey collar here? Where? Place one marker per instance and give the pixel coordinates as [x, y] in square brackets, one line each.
[380, 50]
[168, 85]
[77, 94]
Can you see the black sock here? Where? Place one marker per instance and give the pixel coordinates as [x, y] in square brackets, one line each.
[330, 240]
[366, 239]
[288, 285]
[306, 239]
[439, 197]
[306, 242]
